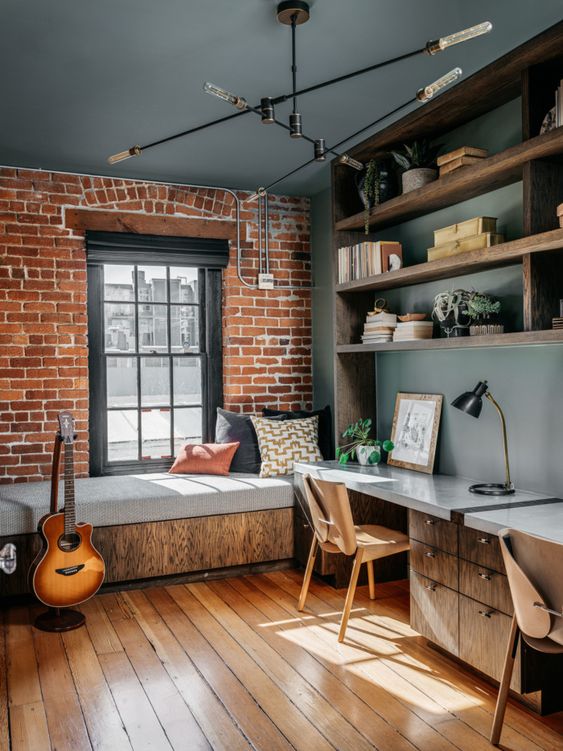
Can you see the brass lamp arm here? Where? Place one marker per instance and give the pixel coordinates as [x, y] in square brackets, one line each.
[508, 481]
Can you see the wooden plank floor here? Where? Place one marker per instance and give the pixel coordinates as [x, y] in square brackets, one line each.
[232, 665]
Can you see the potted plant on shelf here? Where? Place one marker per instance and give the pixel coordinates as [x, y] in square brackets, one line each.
[367, 450]
[374, 186]
[483, 310]
[451, 312]
[418, 160]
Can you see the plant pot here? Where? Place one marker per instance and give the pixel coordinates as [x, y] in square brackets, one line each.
[486, 329]
[363, 454]
[416, 178]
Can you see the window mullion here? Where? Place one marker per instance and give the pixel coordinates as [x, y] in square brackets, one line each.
[138, 360]
[170, 362]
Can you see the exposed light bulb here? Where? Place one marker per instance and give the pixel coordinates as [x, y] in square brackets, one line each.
[295, 126]
[133, 151]
[267, 109]
[443, 43]
[226, 96]
[320, 150]
[350, 162]
[432, 89]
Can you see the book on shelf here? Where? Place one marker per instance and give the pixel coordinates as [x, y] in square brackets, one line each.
[559, 105]
[412, 330]
[363, 259]
[461, 152]
[461, 161]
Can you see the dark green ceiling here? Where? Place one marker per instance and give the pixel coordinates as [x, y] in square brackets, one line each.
[85, 78]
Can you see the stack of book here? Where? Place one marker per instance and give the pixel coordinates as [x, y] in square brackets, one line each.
[557, 323]
[559, 105]
[379, 327]
[474, 234]
[411, 330]
[365, 259]
[461, 157]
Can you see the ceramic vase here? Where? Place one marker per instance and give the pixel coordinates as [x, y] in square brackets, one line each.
[416, 178]
[363, 454]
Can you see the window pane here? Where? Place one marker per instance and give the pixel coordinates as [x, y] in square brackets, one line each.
[155, 381]
[122, 435]
[153, 328]
[118, 282]
[183, 284]
[119, 327]
[187, 426]
[184, 328]
[151, 281]
[121, 381]
[155, 432]
[187, 380]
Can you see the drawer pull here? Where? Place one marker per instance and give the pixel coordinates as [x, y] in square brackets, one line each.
[430, 587]
[484, 540]
[486, 613]
[430, 522]
[486, 577]
[430, 554]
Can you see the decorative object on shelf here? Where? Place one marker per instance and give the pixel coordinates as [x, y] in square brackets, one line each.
[465, 245]
[380, 306]
[483, 311]
[374, 187]
[548, 123]
[418, 161]
[8, 558]
[367, 450]
[412, 330]
[391, 256]
[461, 157]
[560, 215]
[415, 431]
[469, 228]
[367, 259]
[413, 317]
[450, 311]
[379, 327]
[471, 402]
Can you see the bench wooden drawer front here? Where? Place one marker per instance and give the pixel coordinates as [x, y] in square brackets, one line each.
[480, 547]
[437, 532]
[434, 612]
[485, 585]
[483, 636]
[434, 563]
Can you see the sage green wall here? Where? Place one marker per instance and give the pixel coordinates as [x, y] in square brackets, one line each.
[527, 381]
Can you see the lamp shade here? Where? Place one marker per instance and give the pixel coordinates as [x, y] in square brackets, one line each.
[471, 402]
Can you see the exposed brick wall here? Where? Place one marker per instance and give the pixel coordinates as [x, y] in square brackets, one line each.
[43, 321]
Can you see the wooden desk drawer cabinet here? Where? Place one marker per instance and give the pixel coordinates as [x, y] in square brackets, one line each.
[483, 635]
[437, 532]
[485, 585]
[434, 612]
[435, 564]
[480, 547]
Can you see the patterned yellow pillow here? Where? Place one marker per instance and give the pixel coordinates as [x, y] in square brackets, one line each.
[283, 442]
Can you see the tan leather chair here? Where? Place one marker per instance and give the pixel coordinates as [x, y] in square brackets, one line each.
[534, 567]
[334, 529]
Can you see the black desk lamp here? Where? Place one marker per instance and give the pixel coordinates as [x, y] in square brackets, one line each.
[471, 402]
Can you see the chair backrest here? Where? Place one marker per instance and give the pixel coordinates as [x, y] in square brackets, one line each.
[330, 513]
[534, 567]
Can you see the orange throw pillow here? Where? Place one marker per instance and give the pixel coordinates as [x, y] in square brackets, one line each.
[204, 459]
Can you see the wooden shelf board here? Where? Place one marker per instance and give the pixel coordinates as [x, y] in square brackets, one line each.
[464, 263]
[520, 338]
[489, 174]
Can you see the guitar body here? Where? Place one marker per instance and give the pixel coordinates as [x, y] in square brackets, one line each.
[69, 569]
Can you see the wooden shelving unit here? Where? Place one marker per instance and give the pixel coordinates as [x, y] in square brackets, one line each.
[495, 172]
[531, 71]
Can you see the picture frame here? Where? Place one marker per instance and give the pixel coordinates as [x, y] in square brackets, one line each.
[416, 422]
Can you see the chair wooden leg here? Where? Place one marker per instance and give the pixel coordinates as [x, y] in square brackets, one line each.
[350, 594]
[308, 574]
[505, 682]
[371, 580]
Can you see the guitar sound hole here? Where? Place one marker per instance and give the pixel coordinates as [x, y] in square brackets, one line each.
[69, 542]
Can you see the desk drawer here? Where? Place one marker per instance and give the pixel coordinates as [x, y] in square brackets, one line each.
[485, 585]
[481, 548]
[483, 637]
[437, 532]
[434, 563]
[434, 612]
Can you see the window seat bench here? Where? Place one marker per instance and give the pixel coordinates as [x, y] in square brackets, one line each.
[155, 525]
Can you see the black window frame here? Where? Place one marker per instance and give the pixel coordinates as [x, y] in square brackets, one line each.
[209, 257]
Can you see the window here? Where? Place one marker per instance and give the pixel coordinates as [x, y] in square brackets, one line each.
[155, 360]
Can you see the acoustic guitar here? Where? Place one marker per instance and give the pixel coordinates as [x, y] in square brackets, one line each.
[68, 570]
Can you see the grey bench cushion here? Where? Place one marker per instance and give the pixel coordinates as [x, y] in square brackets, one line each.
[105, 501]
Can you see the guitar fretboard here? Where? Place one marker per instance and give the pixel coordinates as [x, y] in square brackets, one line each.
[69, 510]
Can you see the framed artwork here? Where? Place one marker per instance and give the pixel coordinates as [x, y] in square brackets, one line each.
[415, 431]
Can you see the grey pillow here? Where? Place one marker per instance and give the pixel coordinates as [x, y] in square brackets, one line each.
[233, 426]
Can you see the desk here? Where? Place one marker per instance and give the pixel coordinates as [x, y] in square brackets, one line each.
[460, 599]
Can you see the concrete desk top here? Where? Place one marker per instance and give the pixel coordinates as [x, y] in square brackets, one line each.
[439, 495]
[544, 520]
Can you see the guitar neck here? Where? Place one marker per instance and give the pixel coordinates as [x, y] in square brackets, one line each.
[70, 505]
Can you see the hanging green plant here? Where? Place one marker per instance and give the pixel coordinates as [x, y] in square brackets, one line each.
[372, 190]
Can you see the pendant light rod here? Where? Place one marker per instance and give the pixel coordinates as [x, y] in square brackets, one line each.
[293, 63]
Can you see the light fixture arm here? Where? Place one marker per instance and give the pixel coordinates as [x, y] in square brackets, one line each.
[293, 63]
[508, 481]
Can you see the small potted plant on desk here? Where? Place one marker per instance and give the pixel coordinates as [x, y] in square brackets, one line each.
[367, 450]
[418, 160]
